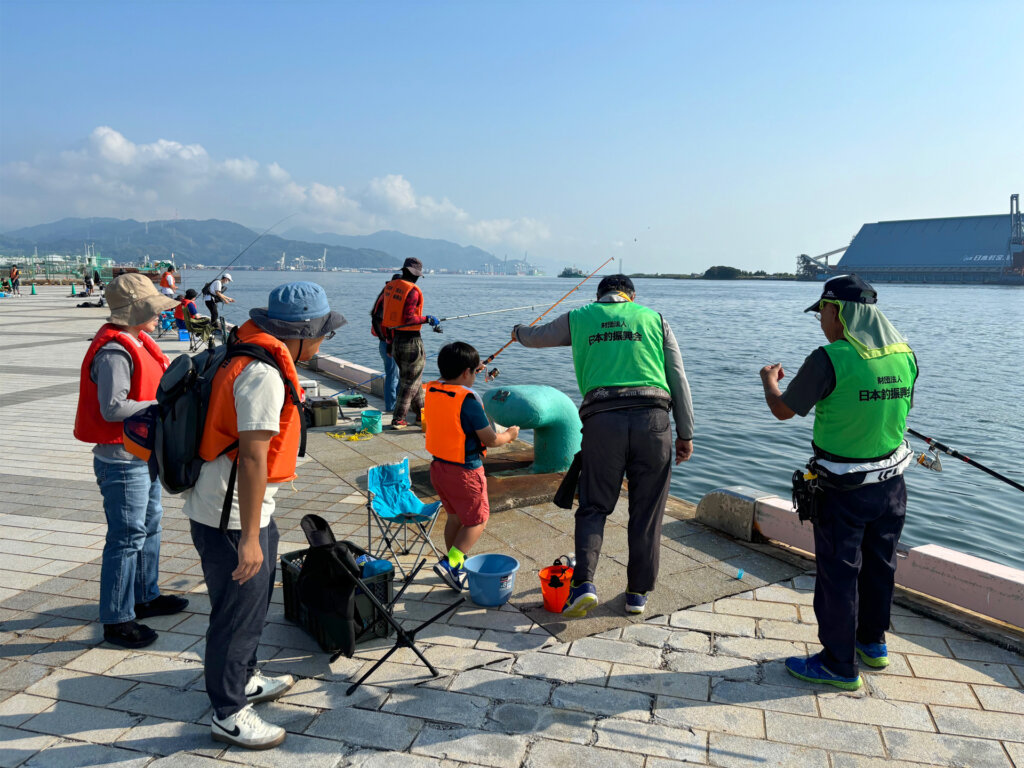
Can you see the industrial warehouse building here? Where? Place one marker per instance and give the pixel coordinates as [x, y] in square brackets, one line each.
[966, 249]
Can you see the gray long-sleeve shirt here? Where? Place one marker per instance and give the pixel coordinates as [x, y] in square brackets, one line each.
[112, 372]
[557, 334]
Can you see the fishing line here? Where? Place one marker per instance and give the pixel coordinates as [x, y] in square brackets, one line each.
[260, 235]
[494, 373]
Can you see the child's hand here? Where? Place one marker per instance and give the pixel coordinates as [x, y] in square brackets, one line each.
[513, 433]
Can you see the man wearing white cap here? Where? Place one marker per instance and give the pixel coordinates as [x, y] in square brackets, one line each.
[214, 293]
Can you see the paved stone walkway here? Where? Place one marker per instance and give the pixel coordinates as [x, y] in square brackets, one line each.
[703, 685]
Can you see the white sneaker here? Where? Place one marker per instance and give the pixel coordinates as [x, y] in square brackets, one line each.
[247, 729]
[263, 688]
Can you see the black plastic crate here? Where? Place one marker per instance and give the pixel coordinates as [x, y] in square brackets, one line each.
[326, 628]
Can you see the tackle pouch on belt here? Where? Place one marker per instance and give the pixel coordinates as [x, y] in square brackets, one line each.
[807, 494]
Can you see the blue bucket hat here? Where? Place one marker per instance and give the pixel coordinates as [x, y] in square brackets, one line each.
[297, 311]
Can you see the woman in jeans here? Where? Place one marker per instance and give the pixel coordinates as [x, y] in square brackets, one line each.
[119, 377]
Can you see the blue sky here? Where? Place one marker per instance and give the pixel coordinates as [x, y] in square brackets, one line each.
[674, 135]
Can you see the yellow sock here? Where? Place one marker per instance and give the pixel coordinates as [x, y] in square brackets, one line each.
[456, 557]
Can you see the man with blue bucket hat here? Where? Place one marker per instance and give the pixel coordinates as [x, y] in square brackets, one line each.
[254, 426]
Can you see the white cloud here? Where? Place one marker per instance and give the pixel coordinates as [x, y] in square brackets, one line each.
[110, 175]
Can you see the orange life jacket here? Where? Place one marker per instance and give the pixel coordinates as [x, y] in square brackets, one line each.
[182, 308]
[445, 436]
[15, 273]
[148, 365]
[167, 280]
[395, 293]
[221, 429]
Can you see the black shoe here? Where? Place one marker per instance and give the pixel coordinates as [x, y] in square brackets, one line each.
[162, 605]
[129, 634]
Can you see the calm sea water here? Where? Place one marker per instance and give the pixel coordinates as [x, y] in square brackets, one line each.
[969, 342]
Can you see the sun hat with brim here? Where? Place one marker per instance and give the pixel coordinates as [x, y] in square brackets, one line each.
[297, 311]
[134, 300]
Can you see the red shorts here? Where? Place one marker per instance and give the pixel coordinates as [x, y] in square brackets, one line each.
[463, 491]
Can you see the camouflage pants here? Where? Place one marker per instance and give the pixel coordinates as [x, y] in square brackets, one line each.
[407, 351]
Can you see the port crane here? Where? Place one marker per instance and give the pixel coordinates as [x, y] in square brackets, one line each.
[811, 267]
[321, 263]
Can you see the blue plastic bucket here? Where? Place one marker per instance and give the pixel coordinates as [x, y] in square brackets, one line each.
[491, 578]
[371, 421]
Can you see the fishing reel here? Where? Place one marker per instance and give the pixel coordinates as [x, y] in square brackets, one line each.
[930, 460]
[492, 374]
[438, 328]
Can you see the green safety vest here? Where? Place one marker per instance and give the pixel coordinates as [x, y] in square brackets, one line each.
[617, 344]
[865, 416]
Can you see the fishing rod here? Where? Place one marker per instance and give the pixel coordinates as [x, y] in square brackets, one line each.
[493, 374]
[250, 245]
[933, 461]
[438, 329]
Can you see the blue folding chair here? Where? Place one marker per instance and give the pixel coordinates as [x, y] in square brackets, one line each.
[396, 510]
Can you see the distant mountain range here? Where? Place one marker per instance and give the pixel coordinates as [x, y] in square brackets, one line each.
[215, 243]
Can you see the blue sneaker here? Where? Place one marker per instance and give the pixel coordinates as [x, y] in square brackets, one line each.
[813, 670]
[450, 576]
[581, 599]
[873, 654]
[636, 602]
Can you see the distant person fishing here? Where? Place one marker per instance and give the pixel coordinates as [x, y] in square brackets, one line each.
[403, 316]
[215, 292]
[14, 275]
[390, 366]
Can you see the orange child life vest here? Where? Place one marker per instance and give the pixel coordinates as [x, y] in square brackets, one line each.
[395, 293]
[445, 436]
[167, 280]
[221, 429]
[182, 308]
[148, 365]
[15, 273]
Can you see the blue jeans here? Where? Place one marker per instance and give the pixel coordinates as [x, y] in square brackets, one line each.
[390, 377]
[131, 555]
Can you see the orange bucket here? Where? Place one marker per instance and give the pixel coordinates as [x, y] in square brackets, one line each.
[554, 586]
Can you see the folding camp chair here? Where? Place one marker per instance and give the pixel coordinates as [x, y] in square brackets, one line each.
[395, 508]
[200, 332]
[342, 563]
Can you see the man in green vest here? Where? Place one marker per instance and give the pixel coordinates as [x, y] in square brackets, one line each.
[861, 386]
[630, 373]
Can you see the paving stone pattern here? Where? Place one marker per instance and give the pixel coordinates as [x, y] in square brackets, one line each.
[704, 685]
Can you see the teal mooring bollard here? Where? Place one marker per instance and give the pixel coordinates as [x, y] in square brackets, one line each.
[549, 413]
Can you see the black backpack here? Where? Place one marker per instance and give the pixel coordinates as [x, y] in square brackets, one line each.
[172, 430]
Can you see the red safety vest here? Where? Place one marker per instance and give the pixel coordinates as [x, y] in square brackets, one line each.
[395, 293]
[221, 429]
[148, 365]
[167, 280]
[445, 436]
[182, 308]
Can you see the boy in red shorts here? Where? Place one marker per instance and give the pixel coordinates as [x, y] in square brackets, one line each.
[457, 432]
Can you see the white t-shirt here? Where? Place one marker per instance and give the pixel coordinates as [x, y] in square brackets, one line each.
[259, 399]
[215, 288]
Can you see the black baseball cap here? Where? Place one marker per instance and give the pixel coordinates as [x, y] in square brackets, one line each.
[615, 283]
[846, 288]
[413, 266]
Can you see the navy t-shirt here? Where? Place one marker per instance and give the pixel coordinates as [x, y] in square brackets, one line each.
[472, 418]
